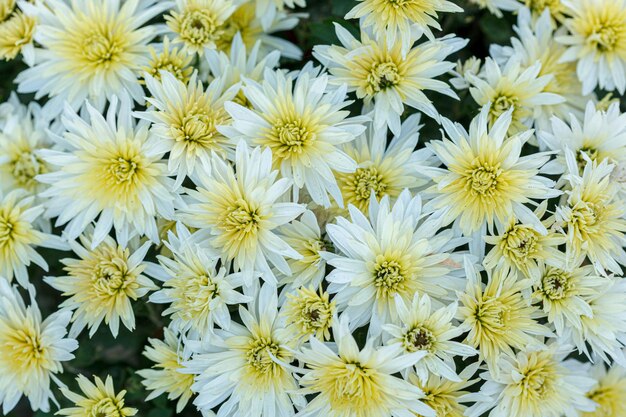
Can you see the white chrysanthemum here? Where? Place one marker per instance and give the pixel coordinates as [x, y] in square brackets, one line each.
[385, 169]
[421, 328]
[165, 376]
[91, 49]
[16, 36]
[304, 235]
[597, 42]
[309, 313]
[31, 350]
[99, 399]
[592, 216]
[534, 383]
[102, 283]
[536, 42]
[394, 253]
[166, 57]
[238, 209]
[19, 236]
[111, 170]
[243, 368]
[186, 116]
[358, 383]
[197, 290]
[302, 121]
[401, 20]
[198, 24]
[521, 90]
[384, 78]
[608, 392]
[486, 179]
[21, 137]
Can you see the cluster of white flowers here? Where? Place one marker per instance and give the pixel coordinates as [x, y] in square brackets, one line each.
[313, 257]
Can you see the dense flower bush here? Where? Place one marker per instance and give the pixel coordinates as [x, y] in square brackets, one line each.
[276, 208]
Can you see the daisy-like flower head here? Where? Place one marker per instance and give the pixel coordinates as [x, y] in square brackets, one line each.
[16, 35]
[308, 313]
[165, 375]
[384, 78]
[592, 217]
[497, 315]
[197, 290]
[384, 170]
[246, 366]
[197, 24]
[89, 50]
[166, 57]
[102, 283]
[521, 247]
[485, 177]
[20, 140]
[305, 237]
[98, 399]
[185, 116]
[302, 121]
[239, 210]
[459, 74]
[535, 383]
[521, 90]
[597, 42]
[564, 294]
[400, 20]
[608, 392]
[599, 135]
[111, 170]
[394, 253]
[536, 43]
[446, 397]
[421, 328]
[19, 236]
[31, 350]
[358, 383]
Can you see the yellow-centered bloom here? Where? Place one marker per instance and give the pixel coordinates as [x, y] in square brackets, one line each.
[98, 399]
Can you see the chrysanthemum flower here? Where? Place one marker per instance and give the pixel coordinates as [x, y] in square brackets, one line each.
[497, 316]
[564, 293]
[244, 369]
[91, 49]
[447, 397]
[165, 57]
[197, 24]
[401, 20]
[384, 170]
[520, 90]
[394, 253]
[16, 35]
[185, 116]
[111, 170]
[486, 178]
[608, 392]
[102, 283]
[99, 399]
[386, 79]
[21, 138]
[31, 350]
[592, 217]
[19, 236]
[597, 42]
[165, 375]
[197, 290]
[239, 212]
[534, 383]
[421, 328]
[302, 121]
[305, 237]
[309, 313]
[358, 383]
[536, 42]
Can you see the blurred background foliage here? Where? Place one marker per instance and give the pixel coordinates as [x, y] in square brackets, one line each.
[102, 354]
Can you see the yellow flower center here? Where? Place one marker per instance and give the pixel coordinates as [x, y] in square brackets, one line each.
[197, 126]
[241, 220]
[25, 167]
[605, 34]
[258, 356]
[556, 284]
[520, 243]
[501, 104]
[382, 75]
[198, 27]
[310, 312]
[360, 185]
[109, 277]
[7, 230]
[584, 216]
[591, 153]
[25, 349]
[492, 316]
[101, 49]
[483, 179]
[418, 338]
[610, 400]
[290, 137]
[538, 6]
[352, 386]
[196, 294]
[122, 171]
[389, 277]
[106, 407]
